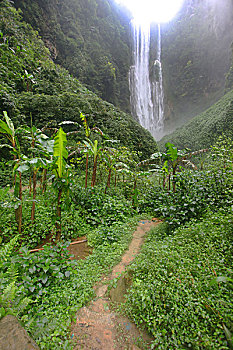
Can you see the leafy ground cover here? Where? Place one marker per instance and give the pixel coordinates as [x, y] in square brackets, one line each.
[182, 287]
[173, 287]
[55, 286]
[80, 180]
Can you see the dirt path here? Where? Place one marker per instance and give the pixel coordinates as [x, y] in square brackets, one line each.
[97, 326]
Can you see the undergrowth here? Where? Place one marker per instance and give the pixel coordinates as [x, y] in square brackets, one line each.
[182, 287]
[57, 287]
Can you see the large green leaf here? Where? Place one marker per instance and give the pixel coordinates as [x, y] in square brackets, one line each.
[95, 149]
[9, 124]
[4, 129]
[60, 151]
[172, 151]
[86, 127]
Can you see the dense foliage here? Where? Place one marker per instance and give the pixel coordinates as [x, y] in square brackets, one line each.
[182, 288]
[75, 177]
[52, 304]
[90, 39]
[203, 130]
[33, 87]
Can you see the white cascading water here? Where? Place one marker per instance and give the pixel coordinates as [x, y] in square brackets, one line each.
[146, 85]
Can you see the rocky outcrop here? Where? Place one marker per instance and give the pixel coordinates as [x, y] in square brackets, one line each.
[13, 336]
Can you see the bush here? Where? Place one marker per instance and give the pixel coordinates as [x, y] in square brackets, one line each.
[196, 192]
[182, 285]
[98, 208]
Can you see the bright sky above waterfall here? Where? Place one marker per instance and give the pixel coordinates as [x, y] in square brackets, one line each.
[159, 11]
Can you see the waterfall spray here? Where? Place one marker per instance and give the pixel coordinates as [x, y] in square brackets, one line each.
[146, 85]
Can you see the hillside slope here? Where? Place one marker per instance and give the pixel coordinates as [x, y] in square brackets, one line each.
[203, 130]
[196, 53]
[90, 38]
[32, 86]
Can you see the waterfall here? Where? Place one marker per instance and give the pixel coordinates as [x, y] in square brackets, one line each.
[146, 83]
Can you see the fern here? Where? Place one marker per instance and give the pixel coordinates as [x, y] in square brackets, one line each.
[22, 305]
[7, 249]
[11, 273]
[12, 300]
[11, 303]
[8, 294]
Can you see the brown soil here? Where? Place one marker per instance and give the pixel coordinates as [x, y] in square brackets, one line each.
[98, 326]
[78, 248]
[81, 250]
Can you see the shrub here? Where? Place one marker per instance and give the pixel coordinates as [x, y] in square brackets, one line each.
[182, 286]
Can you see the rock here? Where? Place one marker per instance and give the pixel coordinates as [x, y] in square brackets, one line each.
[13, 336]
[117, 294]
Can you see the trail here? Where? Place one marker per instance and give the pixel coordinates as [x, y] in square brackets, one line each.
[97, 326]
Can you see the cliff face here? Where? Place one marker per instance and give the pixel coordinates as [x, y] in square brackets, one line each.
[90, 38]
[196, 51]
[34, 89]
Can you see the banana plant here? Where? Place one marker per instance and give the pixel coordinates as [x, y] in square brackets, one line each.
[90, 147]
[111, 159]
[40, 157]
[7, 128]
[171, 160]
[60, 154]
[94, 149]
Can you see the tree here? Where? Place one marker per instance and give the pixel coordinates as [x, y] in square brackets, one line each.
[61, 154]
[7, 128]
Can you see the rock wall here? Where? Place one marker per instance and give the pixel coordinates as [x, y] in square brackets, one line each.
[196, 56]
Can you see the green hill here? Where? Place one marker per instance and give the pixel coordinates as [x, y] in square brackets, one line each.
[32, 86]
[90, 38]
[203, 130]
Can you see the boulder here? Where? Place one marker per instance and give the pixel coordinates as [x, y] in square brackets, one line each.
[13, 336]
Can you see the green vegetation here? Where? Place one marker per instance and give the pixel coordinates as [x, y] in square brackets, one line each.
[53, 304]
[34, 89]
[182, 281]
[90, 39]
[182, 288]
[203, 130]
[73, 165]
[195, 56]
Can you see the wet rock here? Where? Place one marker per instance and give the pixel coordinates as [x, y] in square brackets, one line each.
[13, 336]
[117, 294]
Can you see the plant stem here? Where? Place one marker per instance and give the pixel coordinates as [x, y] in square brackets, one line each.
[58, 222]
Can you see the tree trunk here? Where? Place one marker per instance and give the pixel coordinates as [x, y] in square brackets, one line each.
[18, 211]
[86, 171]
[164, 180]
[115, 179]
[30, 185]
[44, 181]
[109, 180]
[58, 222]
[134, 190]
[174, 180]
[94, 173]
[34, 198]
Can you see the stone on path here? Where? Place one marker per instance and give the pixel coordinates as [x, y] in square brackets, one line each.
[13, 336]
